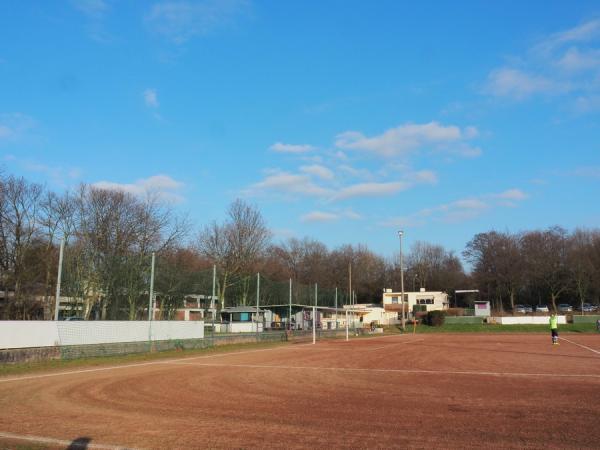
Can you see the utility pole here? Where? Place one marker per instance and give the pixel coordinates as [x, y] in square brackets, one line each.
[290, 312]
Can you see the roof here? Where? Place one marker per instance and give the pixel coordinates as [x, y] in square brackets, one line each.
[241, 309]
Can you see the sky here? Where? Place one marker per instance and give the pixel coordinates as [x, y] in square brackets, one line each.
[342, 121]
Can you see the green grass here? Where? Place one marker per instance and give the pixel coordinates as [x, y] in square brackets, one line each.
[58, 365]
[486, 328]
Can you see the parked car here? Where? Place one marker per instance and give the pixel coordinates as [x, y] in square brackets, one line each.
[588, 307]
[528, 309]
[565, 307]
[542, 308]
[520, 309]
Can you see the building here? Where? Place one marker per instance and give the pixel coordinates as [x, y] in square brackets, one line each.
[432, 300]
[242, 319]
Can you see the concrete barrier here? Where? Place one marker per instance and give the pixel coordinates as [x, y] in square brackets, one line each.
[527, 320]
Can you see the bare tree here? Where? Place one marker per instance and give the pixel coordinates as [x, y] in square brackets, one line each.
[545, 259]
[580, 263]
[19, 237]
[236, 245]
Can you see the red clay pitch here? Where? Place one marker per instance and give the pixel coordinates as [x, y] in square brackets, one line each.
[444, 391]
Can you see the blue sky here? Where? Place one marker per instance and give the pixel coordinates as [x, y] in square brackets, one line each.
[341, 120]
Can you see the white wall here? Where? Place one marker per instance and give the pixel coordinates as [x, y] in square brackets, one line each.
[34, 333]
[243, 327]
[28, 333]
[528, 320]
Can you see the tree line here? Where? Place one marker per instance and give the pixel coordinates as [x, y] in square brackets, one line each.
[110, 236]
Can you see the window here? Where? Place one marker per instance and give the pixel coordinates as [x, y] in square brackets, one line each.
[394, 300]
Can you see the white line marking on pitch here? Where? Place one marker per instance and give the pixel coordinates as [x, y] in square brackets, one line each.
[398, 343]
[150, 363]
[69, 444]
[399, 371]
[581, 345]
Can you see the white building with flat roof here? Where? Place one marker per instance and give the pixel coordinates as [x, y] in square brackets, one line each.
[432, 300]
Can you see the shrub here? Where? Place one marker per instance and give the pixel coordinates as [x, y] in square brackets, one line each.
[435, 318]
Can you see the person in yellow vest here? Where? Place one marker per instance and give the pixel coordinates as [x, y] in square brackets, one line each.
[554, 328]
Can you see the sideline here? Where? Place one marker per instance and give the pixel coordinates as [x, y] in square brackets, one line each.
[67, 444]
[398, 371]
[167, 361]
[580, 345]
[149, 363]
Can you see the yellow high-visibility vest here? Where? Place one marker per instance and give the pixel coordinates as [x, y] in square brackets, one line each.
[553, 322]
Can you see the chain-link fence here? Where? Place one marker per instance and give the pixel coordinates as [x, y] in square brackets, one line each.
[168, 287]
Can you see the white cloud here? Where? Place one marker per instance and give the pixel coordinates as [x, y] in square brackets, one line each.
[324, 216]
[58, 175]
[371, 190]
[460, 210]
[585, 104]
[163, 185]
[508, 82]
[14, 125]
[151, 98]
[585, 32]
[587, 172]
[319, 171]
[512, 194]
[180, 21]
[578, 60]
[352, 171]
[562, 63]
[285, 182]
[319, 216]
[291, 148]
[404, 139]
[426, 176]
[466, 204]
[92, 8]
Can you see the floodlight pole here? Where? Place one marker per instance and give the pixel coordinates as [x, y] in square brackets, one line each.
[336, 308]
[150, 298]
[59, 278]
[315, 310]
[314, 325]
[349, 288]
[212, 299]
[400, 234]
[346, 324]
[257, 303]
[290, 315]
